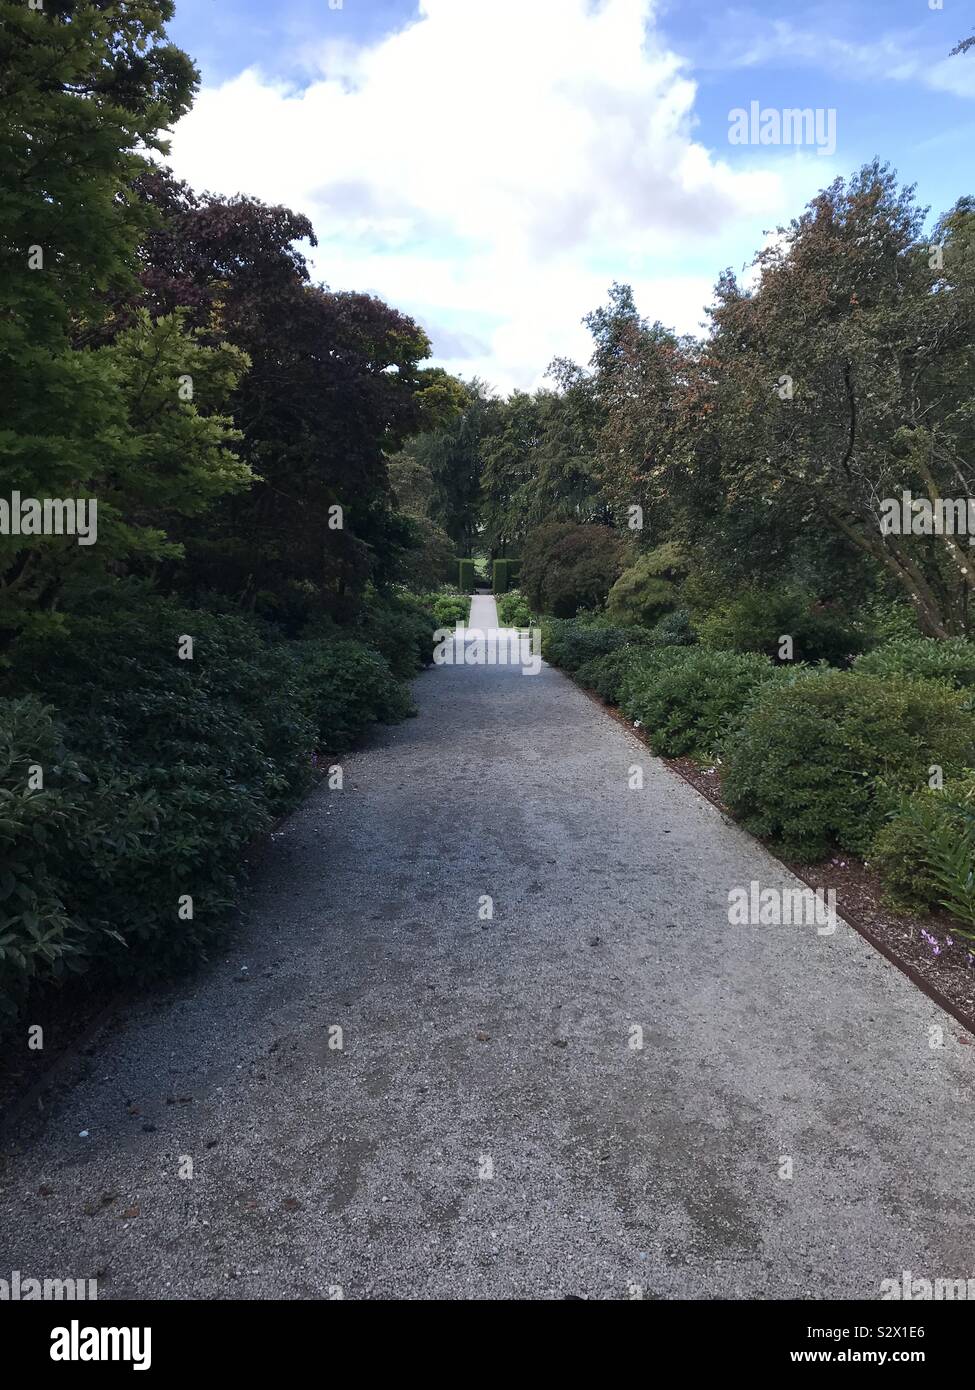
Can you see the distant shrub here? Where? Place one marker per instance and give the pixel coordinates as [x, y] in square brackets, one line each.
[756, 620]
[350, 687]
[570, 644]
[513, 611]
[646, 590]
[450, 609]
[822, 760]
[566, 567]
[951, 660]
[400, 626]
[500, 578]
[674, 630]
[686, 697]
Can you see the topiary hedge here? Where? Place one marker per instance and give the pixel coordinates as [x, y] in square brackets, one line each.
[466, 576]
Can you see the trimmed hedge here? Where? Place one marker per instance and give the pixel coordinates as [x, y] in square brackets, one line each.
[499, 577]
[466, 576]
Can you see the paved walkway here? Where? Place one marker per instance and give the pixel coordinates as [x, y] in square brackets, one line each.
[487, 1127]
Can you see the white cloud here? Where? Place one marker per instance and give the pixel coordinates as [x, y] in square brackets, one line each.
[500, 158]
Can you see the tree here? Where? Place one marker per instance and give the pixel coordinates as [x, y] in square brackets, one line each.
[87, 87]
[566, 567]
[840, 384]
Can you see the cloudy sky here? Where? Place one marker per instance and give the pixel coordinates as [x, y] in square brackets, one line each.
[490, 166]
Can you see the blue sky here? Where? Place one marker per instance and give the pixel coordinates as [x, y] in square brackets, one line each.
[489, 166]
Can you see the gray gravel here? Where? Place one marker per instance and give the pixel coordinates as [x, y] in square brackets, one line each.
[503, 1045]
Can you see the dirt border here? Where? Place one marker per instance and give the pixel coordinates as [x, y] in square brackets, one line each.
[959, 1014]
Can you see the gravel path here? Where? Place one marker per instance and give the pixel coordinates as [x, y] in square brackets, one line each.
[487, 1128]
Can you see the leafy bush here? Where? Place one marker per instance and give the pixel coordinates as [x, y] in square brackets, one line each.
[610, 676]
[513, 611]
[647, 590]
[951, 660]
[449, 609]
[756, 619]
[570, 644]
[926, 852]
[400, 626]
[37, 934]
[566, 566]
[350, 687]
[157, 773]
[674, 630]
[820, 761]
[685, 697]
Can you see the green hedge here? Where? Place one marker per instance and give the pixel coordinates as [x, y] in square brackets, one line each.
[500, 581]
[466, 576]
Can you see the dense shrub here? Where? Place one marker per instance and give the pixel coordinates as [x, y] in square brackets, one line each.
[646, 590]
[610, 676]
[674, 630]
[926, 851]
[513, 611]
[466, 576]
[350, 687]
[400, 626]
[755, 620]
[685, 697]
[37, 933]
[951, 660]
[822, 760]
[569, 644]
[500, 578]
[449, 609]
[157, 773]
[566, 566]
